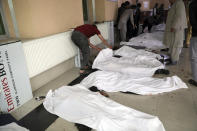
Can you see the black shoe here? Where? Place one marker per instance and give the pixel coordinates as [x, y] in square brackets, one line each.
[81, 127]
[192, 82]
[94, 89]
[185, 46]
[117, 56]
[162, 71]
[167, 49]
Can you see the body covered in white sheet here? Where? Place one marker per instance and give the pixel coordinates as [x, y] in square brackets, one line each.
[115, 82]
[78, 104]
[127, 51]
[139, 66]
[12, 127]
[153, 41]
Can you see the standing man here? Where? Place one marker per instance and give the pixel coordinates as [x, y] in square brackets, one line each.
[122, 25]
[161, 13]
[193, 42]
[174, 32]
[155, 10]
[121, 10]
[137, 18]
[80, 36]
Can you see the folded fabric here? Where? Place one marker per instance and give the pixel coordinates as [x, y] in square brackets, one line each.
[139, 66]
[115, 82]
[12, 127]
[149, 40]
[79, 105]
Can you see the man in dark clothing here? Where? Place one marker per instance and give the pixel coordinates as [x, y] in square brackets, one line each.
[130, 27]
[80, 36]
[161, 13]
[149, 21]
[122, 9]
[155, 10]
[193, 42]
[137, 18]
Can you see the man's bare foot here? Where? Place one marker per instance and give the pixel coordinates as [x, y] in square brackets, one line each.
[104, 93]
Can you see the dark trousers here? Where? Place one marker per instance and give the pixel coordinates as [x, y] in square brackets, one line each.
[130, 30]
[193, 57]
[81, 41]
[145, 24]
[136, 29]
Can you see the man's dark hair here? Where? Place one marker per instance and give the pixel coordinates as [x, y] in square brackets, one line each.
[139, 5]
[123, 5]
[127, 3]
[161, 6]
[156, 5]
[94, 25]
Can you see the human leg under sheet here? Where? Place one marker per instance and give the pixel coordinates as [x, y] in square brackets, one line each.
[115, 82]
[78, 104]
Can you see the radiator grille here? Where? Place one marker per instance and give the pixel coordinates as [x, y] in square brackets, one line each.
[45, 53]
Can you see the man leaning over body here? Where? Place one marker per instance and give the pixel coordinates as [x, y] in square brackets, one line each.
[80, 36]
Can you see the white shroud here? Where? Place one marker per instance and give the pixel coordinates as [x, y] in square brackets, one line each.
[78, 104]
[127, 51]
[12, 127]
[153, 41]
[139, 66]
[115, 82]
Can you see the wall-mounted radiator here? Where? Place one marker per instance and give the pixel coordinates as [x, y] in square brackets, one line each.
[44, 53]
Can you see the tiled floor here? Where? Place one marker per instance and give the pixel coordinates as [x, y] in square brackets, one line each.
[177, 110]
[64, 79]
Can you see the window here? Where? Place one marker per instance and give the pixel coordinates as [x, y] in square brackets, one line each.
[146, 5]
[3, 27]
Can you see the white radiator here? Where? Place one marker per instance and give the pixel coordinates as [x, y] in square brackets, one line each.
[106, 30]
[47, 52]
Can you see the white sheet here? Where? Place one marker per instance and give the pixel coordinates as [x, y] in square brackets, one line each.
[127, 51]
[138, 66]
[79, 105]
[115, 82]
[160, 27]
[151, 41]
[12, 127]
